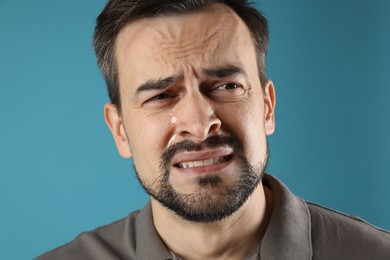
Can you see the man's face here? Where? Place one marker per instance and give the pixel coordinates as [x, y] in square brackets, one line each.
[194, 115]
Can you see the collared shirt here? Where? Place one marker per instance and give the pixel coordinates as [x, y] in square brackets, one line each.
[296, 230]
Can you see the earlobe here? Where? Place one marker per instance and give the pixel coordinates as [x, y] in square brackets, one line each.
[115, 124]
[269, 107]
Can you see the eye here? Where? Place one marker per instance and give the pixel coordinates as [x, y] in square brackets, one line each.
[227, 91]
[161, 100]
[159, 97]
[228, 86]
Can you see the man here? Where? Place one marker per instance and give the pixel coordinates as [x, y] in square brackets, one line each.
[191, 104]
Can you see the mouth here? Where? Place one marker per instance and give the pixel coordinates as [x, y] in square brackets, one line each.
[206, 162]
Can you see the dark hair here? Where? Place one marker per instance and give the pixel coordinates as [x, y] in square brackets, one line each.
[118, 13]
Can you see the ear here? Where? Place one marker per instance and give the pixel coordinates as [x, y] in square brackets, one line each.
[269, 107]
[115, 124]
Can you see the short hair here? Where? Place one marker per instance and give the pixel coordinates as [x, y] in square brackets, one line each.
[118, 13]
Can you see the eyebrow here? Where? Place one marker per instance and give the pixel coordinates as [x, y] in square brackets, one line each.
[225, 71]
[159, 84]
[220, 72]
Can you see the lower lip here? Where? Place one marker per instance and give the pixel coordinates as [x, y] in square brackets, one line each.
[200, 170]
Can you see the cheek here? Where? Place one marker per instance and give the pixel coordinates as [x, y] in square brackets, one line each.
[249, 117]
[148, 137]
[246, 121]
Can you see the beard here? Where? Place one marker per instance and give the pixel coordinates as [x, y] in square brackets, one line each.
[213, 200]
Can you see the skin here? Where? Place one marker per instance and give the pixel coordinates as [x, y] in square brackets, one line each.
[192, 107]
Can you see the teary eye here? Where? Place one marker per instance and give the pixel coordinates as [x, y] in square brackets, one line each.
[161, 100]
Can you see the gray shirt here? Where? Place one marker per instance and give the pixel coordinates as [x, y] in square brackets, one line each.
[297, 230]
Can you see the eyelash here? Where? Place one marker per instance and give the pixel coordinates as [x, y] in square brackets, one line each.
[228, 84]
[158, 97]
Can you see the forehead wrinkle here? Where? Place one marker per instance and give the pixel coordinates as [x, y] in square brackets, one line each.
[196, 49]
[184, 37]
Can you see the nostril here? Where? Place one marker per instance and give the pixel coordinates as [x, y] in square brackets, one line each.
[216, 125]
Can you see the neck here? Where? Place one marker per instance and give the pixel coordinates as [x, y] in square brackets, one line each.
[232, 238]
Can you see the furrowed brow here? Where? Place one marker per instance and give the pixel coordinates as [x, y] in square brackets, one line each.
[224, 71]
[159, 84]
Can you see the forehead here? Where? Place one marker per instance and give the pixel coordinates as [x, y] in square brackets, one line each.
[153, 48]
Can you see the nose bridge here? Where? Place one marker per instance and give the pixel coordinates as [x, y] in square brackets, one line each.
[195, 116]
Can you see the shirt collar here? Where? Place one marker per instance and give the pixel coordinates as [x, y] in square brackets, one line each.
[288, 234]
[149, 244]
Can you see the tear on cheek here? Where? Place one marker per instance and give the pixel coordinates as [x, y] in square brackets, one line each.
[173, 118]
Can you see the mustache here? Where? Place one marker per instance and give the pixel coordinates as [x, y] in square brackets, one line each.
[211, 142]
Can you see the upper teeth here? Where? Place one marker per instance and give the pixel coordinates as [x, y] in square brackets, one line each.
[199, 163]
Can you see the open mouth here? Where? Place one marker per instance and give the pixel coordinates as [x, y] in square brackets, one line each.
[207, 162]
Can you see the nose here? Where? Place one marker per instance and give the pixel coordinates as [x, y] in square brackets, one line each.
[195, 118]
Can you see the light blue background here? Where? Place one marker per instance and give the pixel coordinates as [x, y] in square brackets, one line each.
[60, 173]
